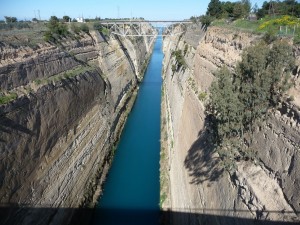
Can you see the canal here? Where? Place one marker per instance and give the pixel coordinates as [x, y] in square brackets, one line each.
[131, 191]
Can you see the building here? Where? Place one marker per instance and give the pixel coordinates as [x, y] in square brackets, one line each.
[80, 19]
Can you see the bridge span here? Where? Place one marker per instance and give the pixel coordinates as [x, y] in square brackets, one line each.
[136, 28]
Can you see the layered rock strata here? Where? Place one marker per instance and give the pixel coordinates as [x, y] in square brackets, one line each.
[196, 190]
[57, 136]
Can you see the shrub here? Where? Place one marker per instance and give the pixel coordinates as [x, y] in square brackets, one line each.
[174, 68]
[202, 96]
[75, 28]
[206, 20]
[179, 58]
[270, 36]
[7, 98]
[97, 26]
[185, 49]
[55, 29]
[84, 28]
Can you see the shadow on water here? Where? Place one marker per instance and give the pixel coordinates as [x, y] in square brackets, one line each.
[201, 160]
[13, 215]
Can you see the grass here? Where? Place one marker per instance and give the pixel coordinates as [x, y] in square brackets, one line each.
[240, 24]
[64, 75]
[280, 26]
[261, 26]
[31, 36]
[6, 98]
[163, 197]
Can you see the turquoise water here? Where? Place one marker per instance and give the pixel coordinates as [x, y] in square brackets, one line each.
[131, 191]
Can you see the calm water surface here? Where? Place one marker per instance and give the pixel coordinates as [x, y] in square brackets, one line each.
[131, 191]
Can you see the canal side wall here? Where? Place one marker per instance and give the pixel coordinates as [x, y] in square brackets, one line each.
[58, 136]
[194, 189]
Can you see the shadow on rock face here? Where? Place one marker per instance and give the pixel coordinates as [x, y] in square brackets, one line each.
[201, 161]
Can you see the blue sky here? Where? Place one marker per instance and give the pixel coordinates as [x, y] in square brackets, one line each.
[150, 9]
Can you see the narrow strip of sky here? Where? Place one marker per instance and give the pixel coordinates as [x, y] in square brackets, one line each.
[150, 9]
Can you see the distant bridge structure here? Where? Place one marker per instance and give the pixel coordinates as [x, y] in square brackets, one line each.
[134, 28]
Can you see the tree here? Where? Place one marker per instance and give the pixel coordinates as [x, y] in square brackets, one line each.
[255, 8]
[10, 19]
[247, 7]
[281, 62]
[214, 8]
[241, 9]
[254, 83]
[238, 10]
[55, 29]
[66, 19]
[206, 21]
[53, 21]
[227, 9]
[239, 100]
[226, 105]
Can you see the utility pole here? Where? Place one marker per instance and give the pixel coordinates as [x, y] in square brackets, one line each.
[39, 14]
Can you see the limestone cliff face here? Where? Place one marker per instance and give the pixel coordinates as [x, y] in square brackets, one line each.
[195, 183]
[57, 137]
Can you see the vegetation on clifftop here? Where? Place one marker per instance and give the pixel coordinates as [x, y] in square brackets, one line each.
[240, 100]
[275, 18]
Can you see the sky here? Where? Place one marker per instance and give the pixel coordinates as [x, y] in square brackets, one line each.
[150, 9]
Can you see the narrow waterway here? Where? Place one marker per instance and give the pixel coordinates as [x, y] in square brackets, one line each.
[131, 191]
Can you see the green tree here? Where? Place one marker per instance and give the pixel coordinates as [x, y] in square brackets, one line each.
[227, 9]
[241, 9]
[206, 20]
[55, 29]
[214, 8]
[53, 20]
[240, 100]
[238, 10]
[226, 105]
[66, 19]
[280, 62]
[10, 19]
[254, 83]
[247, 7]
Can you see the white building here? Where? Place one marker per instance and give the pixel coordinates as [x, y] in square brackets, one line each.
[80, 19]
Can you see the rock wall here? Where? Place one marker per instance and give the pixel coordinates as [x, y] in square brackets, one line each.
[57, 137]
[195, 188]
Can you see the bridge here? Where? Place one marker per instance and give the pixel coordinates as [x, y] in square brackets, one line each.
[135, 28]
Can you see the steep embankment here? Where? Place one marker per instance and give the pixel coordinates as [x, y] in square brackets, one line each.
[195, 187]
[57, 137]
